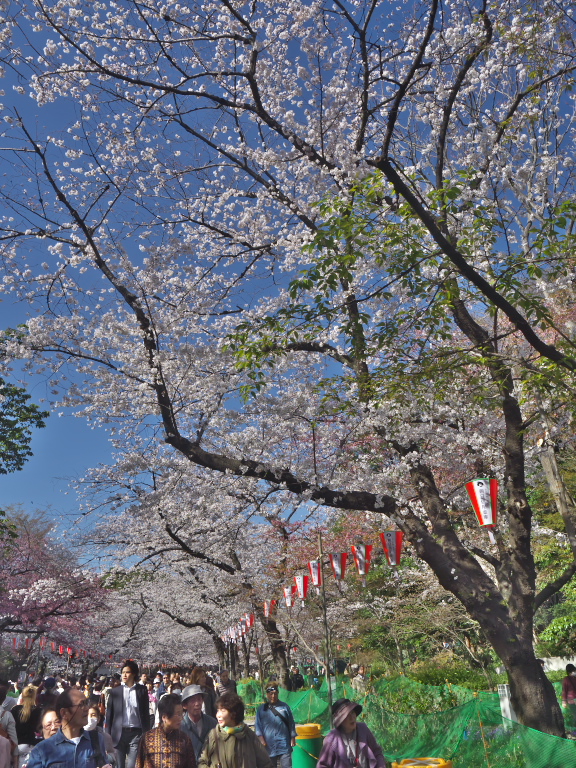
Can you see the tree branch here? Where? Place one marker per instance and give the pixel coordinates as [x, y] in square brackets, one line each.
[554, 586]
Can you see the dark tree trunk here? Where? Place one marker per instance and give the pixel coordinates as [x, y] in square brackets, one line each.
[246, 657]
[277, 648]
[233, 659]
[220, 648]
[533, 694]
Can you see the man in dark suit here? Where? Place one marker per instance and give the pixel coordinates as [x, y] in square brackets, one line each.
[128, 715]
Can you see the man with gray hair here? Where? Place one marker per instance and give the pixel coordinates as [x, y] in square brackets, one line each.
[196, 724]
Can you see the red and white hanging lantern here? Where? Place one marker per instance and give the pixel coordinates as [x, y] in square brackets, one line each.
[289, 593]
[392, 544]
[251, 620]
[315, 574]
[28, 643]
[302, 587]
[338, 563]
[362, 554]
[483, 494]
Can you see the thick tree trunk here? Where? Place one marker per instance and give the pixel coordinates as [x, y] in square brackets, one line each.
[220, 649]
[533, 697]
[278, 649]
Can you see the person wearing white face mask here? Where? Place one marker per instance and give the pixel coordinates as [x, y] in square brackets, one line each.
[94, 723]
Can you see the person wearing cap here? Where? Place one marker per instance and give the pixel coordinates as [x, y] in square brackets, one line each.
[276, 729]
[296, 679]
[350, 743]
[196, 724]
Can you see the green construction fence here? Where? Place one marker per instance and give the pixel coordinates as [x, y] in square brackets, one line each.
[446, 721]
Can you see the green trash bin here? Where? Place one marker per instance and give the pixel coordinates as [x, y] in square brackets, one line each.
[308, 745]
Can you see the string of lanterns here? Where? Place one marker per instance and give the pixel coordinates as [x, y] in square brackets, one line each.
[483, 494]
[52, 646]
[362, 554]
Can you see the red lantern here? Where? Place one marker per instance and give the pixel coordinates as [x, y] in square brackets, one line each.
[392, 544]
[302, 587]
[289, 593]
[362, 554]
[484, 497]
[338, 563]
[61, 650]
[53, 646]
[315, 569]
[28, 643]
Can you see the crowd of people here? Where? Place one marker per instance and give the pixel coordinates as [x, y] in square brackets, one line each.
[193, 720]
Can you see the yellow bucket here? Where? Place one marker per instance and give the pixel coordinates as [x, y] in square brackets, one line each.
[423, 762]
[309, 731]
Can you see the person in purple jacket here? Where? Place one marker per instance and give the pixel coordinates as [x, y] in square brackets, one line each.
[350, 743]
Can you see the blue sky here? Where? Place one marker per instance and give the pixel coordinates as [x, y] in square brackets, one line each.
[66, 447]
[63, 450]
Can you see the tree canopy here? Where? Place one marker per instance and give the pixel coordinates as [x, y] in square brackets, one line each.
[17, 419]
[313, 255]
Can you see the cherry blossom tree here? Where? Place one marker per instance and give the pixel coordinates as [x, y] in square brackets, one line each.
[168, 528]
[323, 250]
[44, 589]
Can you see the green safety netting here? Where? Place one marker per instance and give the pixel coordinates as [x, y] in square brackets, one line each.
[445, 721]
